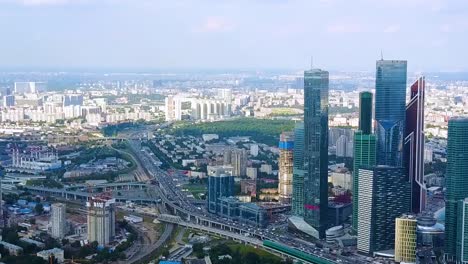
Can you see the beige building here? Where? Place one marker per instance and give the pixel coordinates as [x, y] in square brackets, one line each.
[101, 220]
[405, 239]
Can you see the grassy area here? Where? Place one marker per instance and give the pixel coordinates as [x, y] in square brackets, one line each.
[196, 189]
[265, 131]
[244, 249]
[284, 111]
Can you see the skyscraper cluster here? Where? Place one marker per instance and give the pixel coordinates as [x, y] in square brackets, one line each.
[389, 164]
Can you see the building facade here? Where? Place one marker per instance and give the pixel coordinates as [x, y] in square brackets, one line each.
[414, 145]
[298, 171]
[365, 112]
[316, 149]
[101, 220]
[456, 180]
[462, 232]
[58, 220]
[219, 186]
[390, 109]
[405, 239]
[285, 174]
[384, 195]
[364, 155]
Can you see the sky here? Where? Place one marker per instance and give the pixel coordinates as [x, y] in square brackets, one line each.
[343, 35]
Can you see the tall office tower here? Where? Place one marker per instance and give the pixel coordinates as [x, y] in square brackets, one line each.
[285, 174]
[414, 145]
[239, 162]
[456, 179]
[219, 185]
[298, 171]
[364, 155]
[365, 112]
[383, 196]
[405, 239]
[390, 105]
[316, 149]
[462, 231]
[58, 220]
[101, 220]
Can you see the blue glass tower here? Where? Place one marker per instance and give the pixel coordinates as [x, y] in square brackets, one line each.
[316, 149]
[390, 111]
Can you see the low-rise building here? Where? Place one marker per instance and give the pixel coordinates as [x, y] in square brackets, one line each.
[56, 252]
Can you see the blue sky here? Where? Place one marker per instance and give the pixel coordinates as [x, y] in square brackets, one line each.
[341, 34]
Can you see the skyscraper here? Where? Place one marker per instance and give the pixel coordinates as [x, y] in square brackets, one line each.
[285, 174]
[456, 179]
[414, 145]
[365, 112]
[58, 220]
[383, 196]
[364, 156]
[219, 185]
[462, 231]
[364, 147]
[316, 149]
[298, 171]
[405, 239]
[390, 101]
[101, 220]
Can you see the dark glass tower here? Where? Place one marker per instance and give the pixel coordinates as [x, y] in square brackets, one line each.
[383, 196]
[316, 149]
[414, 146]
[298, 171]
[456, 179]
[365, 112]
[390, 109]
[219, 185]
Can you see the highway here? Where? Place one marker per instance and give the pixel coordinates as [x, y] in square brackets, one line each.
[173, 197]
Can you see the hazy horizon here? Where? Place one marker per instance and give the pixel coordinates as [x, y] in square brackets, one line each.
[232, 35]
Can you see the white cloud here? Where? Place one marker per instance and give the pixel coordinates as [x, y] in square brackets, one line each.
[214, 24]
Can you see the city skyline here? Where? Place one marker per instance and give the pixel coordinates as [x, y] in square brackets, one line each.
[225, 34]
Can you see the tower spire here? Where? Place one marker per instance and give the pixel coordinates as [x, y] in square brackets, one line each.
[381, 55]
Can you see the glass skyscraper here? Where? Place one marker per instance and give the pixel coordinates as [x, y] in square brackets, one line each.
[298, 171]
[390, 109]
[219, 186]
[364, 155]
[364, 146]
[365, 112]
[414, 146]
[316, 149]
[384, 195]
[456, 179]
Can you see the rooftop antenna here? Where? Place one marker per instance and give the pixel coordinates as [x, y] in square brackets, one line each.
[381, 55]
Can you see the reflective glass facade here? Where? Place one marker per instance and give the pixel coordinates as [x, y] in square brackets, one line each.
[456, 179]
[219, 186]
[414, 146]
[298, 171]
[316, 149]
[365, 112]
[390, 108]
